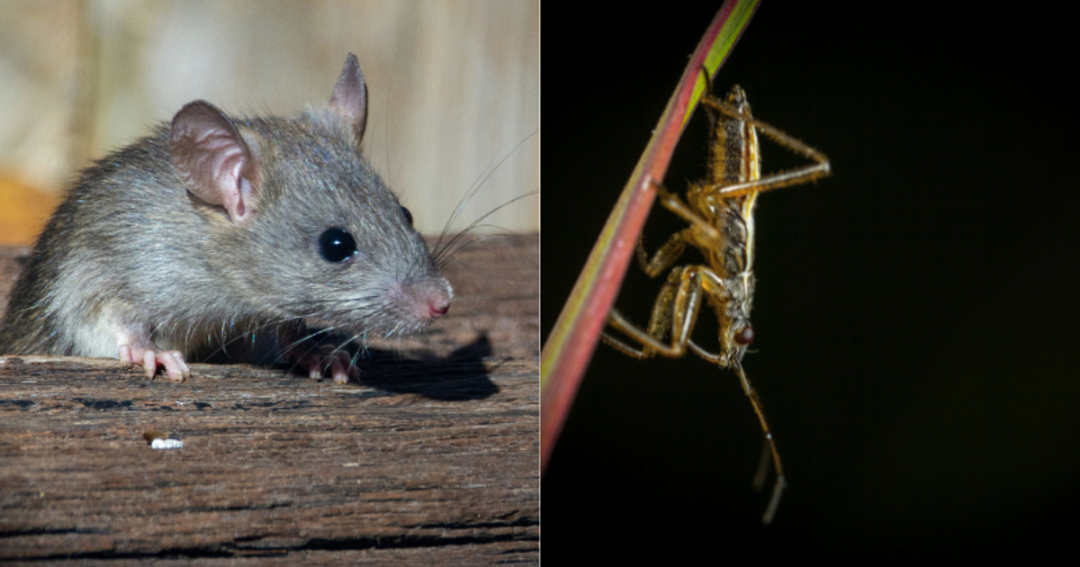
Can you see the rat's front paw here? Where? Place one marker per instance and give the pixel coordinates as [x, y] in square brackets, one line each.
[172, 360]
[315, 353]
[328, 358]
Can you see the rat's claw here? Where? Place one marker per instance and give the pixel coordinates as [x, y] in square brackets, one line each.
[149, 359]
[314, 368]
[338, 363]
[337, 369]
[175, 366]
[344, 369]
[125, 355]
[150, 363]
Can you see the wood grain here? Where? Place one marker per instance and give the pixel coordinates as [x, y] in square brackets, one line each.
[432, 458]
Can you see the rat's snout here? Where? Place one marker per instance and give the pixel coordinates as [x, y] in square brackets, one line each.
[426, 300]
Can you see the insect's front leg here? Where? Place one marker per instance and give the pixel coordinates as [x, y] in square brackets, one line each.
[675, 312]
[666, 256]
[659, 323]
[705, 233]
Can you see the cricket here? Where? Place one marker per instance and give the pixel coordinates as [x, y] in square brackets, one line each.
[720, 211]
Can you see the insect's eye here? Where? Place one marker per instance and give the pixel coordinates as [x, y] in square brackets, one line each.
[336, 245]
[745, 336]
[408, 215]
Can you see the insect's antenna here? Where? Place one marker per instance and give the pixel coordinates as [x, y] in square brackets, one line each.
[708, 81]
[763, 467]
[778, 489]
[708, 97]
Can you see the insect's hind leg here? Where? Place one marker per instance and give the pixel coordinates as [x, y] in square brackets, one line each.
[821, 167]
[676, 310]
[659, 323]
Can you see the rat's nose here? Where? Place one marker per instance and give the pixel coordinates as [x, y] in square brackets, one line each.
[438, 308]
[428, 299]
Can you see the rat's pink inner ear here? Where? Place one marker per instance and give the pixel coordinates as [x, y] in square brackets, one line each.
[212, 159]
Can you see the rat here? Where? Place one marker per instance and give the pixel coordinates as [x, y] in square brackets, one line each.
[215, 229]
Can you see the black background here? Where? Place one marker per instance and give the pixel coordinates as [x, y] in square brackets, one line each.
[915, 315]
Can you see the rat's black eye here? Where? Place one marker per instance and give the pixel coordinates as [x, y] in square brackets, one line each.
[408, 215]
[336, 245]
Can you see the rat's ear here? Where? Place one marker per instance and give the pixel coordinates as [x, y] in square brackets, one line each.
[349, 99]
[213, 160]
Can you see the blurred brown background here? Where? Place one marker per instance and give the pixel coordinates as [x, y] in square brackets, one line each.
[453, 89]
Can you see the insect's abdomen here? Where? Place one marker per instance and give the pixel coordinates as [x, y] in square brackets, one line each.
[734, 159]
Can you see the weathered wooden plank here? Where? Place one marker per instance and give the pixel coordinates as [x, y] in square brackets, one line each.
[430, 458]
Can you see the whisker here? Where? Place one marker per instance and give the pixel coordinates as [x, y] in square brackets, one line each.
[476, 223]
[480, 183]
